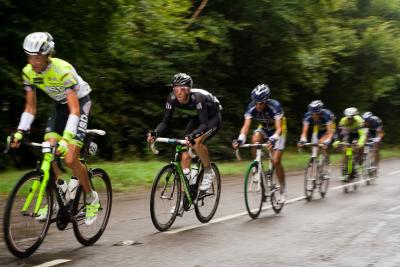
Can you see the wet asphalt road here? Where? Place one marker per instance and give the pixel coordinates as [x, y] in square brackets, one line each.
[360, 228]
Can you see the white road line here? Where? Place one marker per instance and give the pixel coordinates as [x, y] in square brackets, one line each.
[228, 217]
[395, 172]
[233, 216]
[349, 184]
[393, 208]
[53, 263]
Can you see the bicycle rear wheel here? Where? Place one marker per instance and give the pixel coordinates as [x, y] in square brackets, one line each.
[207, 203]
[310, 179]
[88, 234]
[253, 191]
[165, 198]
[23, 233]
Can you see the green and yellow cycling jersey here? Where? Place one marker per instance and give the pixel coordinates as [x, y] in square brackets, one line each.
[357, 126]
[352, 125]
[58, 77]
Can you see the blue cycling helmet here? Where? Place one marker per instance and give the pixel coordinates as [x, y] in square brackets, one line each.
[261, 93]
[316, 106]
[182, 79]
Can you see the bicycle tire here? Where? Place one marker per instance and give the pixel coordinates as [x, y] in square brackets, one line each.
[323, 178]
[309, 180]
[172, 176]
[253, 211]
[204, 214]
[89, 234]
[275, 203]
[9, 236]
[345, 174]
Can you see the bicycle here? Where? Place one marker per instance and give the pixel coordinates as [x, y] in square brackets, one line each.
[23, 233]
[171, 189]
[317, 172]
[370, 166]
[259, 184]
[350, 171]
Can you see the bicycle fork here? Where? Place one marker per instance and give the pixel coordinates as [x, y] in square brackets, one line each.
[41, 185]
[349, 155]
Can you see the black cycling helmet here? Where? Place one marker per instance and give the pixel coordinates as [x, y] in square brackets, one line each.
[182, 79]
[316, 106]
[261, 93]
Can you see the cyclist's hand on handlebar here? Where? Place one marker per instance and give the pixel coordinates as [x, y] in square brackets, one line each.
[14, 139]
[326, 143]
[271, 142]
[301, 143]
[376, 139]
[190, 140]
[236, 143]
[335, 144]
[62, 148]
[151, 137]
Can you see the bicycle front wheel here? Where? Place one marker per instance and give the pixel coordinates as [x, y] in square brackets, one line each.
[207, 203]
[324, 177]
[88, 234]
[165, 198]
[310, 179]
[23, 232]
[253, 191]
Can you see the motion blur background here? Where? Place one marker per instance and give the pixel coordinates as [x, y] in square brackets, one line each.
[346, 53]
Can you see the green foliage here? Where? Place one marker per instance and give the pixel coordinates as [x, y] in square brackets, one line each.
[345, 52]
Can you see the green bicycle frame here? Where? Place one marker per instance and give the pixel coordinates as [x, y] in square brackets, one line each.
[45, 168]
[349, 155]
[178, 167]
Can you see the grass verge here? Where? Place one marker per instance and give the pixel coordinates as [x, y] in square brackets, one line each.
[126, 176]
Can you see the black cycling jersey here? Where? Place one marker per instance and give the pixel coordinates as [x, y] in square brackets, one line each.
[206, 105]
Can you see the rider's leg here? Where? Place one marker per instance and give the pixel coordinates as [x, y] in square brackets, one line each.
[202, 151]
[77, 167]
[280, 172]
[257, 137]
[185, 160]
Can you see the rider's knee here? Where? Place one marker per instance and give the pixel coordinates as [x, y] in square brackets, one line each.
[185, 156]
[257, 137]
[70, 160]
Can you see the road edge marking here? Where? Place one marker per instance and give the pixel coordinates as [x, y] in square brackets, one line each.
[52, 263]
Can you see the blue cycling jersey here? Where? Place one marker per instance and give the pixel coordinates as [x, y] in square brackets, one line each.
[326, 117]
[272, 112]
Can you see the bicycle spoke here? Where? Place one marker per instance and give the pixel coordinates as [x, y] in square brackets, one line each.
[23, 232]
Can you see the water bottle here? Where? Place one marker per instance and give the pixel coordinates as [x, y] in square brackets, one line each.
[62, 188]
[72, 187]
[194, 173]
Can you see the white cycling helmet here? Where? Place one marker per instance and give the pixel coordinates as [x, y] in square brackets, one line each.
[38, 43]
[350, 112]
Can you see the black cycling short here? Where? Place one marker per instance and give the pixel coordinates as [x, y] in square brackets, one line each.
[352, 137]
[57, 121]
[213, 125]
